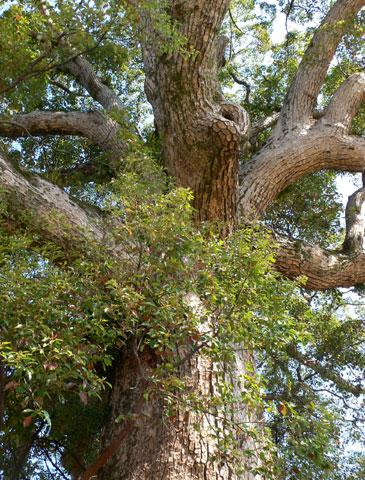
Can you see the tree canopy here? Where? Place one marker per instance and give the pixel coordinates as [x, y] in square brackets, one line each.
[168, 196]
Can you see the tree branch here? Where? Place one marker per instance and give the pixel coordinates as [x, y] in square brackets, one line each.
[262, 125]
[118, 440]
[355, 225]
[31, 70]
[302, 95]
[83, 72]
[95, 126]
[324, 269]
[51, 210]
[281, 163]
[244, 83]
[267, 122]
[325, 372]
[346, 101]
[85, 75]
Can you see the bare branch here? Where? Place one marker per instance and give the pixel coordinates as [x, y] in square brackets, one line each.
[62, 87]
[234, 22]
[244, 83]
[263, 124]
[302, 95]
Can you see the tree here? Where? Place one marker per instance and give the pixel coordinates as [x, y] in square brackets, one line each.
[209, 146]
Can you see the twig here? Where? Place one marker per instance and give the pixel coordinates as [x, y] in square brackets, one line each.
[233, 21]
[242, 82]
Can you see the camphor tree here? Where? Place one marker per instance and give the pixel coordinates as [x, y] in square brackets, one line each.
[139, 286]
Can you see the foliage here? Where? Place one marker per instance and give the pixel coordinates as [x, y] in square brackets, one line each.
[309, 209]
[316, 409]
[63, 323]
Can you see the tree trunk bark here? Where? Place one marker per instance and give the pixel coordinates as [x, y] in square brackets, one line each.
[201, 134]
[162, 448]
[200, 130]
[201, 137]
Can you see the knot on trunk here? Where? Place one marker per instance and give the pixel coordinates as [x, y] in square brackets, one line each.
[236, 114]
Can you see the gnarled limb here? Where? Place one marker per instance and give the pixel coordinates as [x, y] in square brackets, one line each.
[302, 95]
[267, 122]
[324, 269]
[322, 144]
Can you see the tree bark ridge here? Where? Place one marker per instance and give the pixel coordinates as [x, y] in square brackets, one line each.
[46, 208]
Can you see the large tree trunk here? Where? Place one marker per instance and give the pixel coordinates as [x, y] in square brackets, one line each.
[200, 130]
[201, 134]
[162, 448]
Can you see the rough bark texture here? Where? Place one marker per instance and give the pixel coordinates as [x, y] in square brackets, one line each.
[46, 207]
[172, 448]
[201, 135]
[201, 132]
[320, 144]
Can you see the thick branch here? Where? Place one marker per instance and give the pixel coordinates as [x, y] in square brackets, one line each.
[281, 163]
[95, 126]
[346, 101]
[302, 95]
[324, 269]
[51, 211]
[85, 75]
